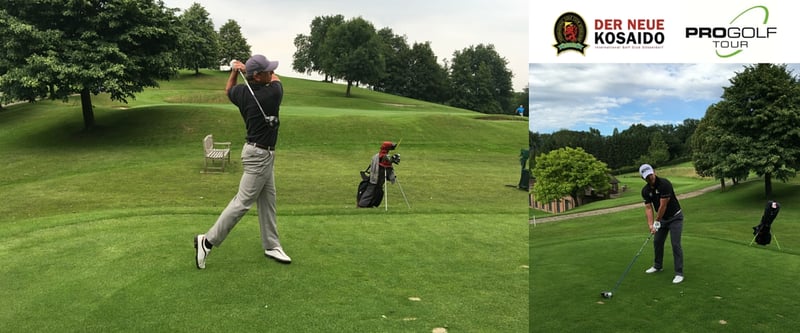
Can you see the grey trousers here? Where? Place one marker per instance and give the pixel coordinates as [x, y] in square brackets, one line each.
[256, 186]
[674, 227]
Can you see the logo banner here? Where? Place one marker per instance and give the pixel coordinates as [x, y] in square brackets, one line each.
[663, 32]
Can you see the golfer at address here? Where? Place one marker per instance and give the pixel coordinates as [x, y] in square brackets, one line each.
[664, 216]
[259, 108]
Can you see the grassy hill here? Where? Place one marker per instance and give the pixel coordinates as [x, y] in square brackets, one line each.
[99, 223]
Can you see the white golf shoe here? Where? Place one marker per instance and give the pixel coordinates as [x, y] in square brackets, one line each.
[278, 254]
[201, 251]
[677, 279]
[652, 270]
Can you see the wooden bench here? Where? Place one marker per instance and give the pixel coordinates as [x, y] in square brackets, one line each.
[216, 152]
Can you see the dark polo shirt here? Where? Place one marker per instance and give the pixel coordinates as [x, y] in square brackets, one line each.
[270, 96]
[661, 189]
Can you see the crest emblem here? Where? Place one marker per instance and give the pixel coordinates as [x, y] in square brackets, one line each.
[570, 33]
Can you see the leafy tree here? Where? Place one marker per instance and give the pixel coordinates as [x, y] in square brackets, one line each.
[428, 80]
[683, 133]
[301, 60]
[612, 150]
[232, 44]
[632, 143]
[395, 79]
[757, 122]
[657, 153]
[353, 52]
[568, 172]
[54, 49]
[480, 80]
[715, 152]
[309, 57]
[199, 43]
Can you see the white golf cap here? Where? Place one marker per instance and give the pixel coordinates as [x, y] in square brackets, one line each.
[645, 170]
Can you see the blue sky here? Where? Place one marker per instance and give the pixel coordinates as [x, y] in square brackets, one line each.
[271, 26]
[608, 96]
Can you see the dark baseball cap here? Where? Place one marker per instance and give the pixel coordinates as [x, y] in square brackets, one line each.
[259, 63]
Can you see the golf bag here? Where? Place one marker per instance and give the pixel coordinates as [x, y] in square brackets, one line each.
[762, 231]
[370, 189]
[370, 195]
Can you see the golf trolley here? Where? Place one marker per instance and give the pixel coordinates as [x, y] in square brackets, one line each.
[763, 234]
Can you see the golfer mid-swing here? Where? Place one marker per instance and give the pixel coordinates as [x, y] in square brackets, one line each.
[259, 101]
[664, 216]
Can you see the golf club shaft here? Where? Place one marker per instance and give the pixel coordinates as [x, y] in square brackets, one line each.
[631, 264]
[254, 97]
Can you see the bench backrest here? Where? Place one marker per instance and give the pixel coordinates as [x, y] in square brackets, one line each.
[208, 143]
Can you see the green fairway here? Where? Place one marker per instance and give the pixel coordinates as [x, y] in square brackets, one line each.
[99, 224]
[730, 286]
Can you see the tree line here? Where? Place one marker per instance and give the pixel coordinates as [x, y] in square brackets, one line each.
[54, 50]
[476, 78]
[626, 150]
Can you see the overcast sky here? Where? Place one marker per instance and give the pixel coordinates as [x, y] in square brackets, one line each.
[608, 96]
[270, 26]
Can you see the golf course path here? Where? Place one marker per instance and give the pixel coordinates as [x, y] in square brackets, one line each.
[556, 218]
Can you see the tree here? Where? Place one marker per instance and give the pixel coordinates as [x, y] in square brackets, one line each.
[353, 52]
[199, 43]
[232, 44]
[657, 153]
[54, 49]
[309, 55]
[755, 125]
[568, 172]
[428, 80]
[394, 79]
[683, 134]
[715, 152]
[480, 80]
[632, 143]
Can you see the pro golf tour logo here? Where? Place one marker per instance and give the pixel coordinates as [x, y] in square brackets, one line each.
[570, 33]
[744, 31]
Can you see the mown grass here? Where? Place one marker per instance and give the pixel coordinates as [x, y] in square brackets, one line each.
[98, 224]
[730, 286]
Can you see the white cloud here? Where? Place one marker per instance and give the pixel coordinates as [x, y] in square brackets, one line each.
[577, 96]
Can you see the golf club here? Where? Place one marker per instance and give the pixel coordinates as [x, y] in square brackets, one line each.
[609, 294]
[271, 120]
